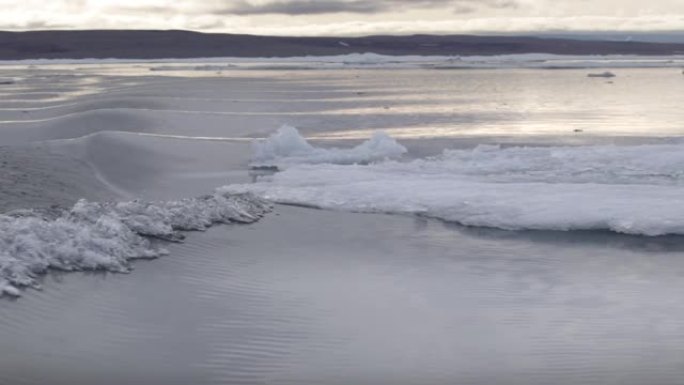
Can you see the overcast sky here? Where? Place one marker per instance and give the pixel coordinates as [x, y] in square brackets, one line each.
[346, 17]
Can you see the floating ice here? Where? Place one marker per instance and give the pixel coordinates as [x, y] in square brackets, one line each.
[106, 236]
[287, 147]
[627, 189]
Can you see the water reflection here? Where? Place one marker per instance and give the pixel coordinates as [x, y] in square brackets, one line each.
[347, 104]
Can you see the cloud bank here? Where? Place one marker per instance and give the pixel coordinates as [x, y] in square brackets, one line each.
[346, 17]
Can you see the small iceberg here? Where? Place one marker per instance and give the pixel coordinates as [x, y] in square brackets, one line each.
[606, 74]
[287, 147]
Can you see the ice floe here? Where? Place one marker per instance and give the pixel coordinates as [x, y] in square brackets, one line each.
[626, 189]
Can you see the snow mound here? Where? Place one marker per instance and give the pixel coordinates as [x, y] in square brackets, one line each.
[628, 189]
[106, 236]
[287, 147]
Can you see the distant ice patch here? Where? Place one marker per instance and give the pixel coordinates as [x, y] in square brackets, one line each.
[626, 189]
[206, 67]
[373, 60]
[288, 147]
[106, 236]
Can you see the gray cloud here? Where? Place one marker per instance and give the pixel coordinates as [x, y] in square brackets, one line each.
[304, 7]
[142, 10]
[33, 25]
[313, 7]
[472, 6]
[501, 3]
[463, 9]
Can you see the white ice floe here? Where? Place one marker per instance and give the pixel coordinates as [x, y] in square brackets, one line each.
[626, 189]
[287, 147]
[106, 236]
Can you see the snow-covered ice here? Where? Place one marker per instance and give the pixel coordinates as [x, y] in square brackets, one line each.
[626, 189]
[106, 236]
[288, 147]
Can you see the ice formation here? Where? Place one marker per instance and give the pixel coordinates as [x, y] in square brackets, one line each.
[626, 189]
[106, 236]
[287, 147]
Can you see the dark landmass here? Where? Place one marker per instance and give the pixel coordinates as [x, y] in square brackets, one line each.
[131, 44]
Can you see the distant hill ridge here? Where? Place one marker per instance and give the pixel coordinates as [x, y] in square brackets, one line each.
[149, 44]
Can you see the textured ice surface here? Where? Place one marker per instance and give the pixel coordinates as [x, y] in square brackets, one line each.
[106, 236]
[287, 147]
[627, 189]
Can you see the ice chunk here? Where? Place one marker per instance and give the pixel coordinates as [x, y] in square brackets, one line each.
[106, 236]
[287, 147]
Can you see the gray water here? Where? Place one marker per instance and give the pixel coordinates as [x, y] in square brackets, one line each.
[313, 297]
[316, 297]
